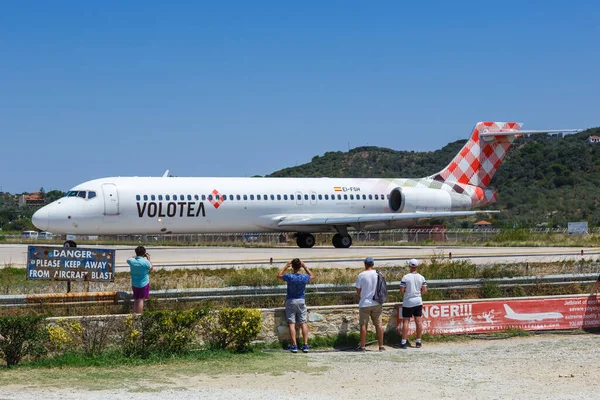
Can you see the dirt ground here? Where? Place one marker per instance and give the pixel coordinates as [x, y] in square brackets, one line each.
[549, 366]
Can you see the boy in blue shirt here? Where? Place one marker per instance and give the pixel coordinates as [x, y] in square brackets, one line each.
[295, 304]
[140, 268]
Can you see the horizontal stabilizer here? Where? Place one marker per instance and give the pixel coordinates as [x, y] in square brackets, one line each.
[508, 132]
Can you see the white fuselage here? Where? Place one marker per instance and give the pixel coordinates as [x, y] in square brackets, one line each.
[138, 205]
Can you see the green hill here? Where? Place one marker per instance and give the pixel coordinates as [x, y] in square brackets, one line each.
[543, 180]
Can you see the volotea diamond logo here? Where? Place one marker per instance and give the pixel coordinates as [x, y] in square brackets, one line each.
[217, 198]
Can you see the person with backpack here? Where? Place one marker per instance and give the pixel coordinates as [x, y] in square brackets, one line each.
[369, 308]
[412, 286]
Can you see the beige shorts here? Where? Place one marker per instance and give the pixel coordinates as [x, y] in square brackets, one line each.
[374, 312]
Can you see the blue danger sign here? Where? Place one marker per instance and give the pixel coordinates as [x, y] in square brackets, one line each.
[70, 264]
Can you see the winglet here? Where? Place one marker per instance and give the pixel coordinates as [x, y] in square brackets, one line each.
[166, 174]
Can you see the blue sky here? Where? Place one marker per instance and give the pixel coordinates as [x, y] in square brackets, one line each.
[94, 89]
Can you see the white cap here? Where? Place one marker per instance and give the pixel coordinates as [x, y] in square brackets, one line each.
[413, 262]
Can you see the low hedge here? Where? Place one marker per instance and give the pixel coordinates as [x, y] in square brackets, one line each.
[232, 328]
[160, 331]
[152, 332]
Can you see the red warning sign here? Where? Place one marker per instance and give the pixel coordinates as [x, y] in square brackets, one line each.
[575, 312]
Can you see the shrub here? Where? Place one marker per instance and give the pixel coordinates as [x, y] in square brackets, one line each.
[64, 335]
[513, 235]
[252, 277]
[491, 290]
[160, 331]
[232, 328]
[500, 271]
[21, 336]
[95, 334]
[438, 268]
[518, 291]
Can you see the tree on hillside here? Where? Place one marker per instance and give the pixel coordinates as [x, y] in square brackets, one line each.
[54, 195]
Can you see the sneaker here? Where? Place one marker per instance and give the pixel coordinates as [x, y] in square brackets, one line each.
[305, 348]
[293, 348]
[404, 346]
[381, 348]
[360, 349]
[418, 346]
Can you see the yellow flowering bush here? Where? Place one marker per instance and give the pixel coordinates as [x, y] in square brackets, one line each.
[64, 335]
[232, 328]
[160, 331]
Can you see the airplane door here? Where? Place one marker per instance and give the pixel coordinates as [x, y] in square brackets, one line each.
[111, 199]
[313, 198]
[299, 198]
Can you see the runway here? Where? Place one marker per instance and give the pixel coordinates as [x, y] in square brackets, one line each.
[321, 257]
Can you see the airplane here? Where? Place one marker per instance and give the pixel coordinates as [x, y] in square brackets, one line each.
[179, 205]
[510, 314]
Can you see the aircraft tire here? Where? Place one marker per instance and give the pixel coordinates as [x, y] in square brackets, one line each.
[301, 240]
[341, 241]
[346, 242]
[309, 241]
[336, 240]
[70, 243]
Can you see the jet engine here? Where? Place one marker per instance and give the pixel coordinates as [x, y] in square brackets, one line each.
[410, 199]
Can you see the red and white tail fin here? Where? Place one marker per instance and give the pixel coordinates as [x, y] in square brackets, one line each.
[479, 159]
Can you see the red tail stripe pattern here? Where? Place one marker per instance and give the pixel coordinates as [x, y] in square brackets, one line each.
[478, 160]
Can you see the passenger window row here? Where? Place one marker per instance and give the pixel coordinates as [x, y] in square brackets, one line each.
[246, 197]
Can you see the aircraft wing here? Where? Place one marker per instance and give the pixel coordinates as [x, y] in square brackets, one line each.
[354, 219]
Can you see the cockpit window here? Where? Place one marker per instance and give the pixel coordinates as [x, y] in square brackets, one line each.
[81, 193]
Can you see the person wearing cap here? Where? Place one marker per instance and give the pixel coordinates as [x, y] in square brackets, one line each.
[412, 286]
[366, 285]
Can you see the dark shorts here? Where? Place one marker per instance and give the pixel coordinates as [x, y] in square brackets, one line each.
[141, 292]
[408, 312]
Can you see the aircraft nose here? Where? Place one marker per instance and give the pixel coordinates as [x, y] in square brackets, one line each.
[41, 219]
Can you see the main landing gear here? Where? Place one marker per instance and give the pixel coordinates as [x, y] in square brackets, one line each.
[305, 240]
[341, 241]
[70, 243]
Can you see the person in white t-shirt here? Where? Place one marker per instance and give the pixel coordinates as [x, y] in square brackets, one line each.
[412, 286]
[366, 284]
